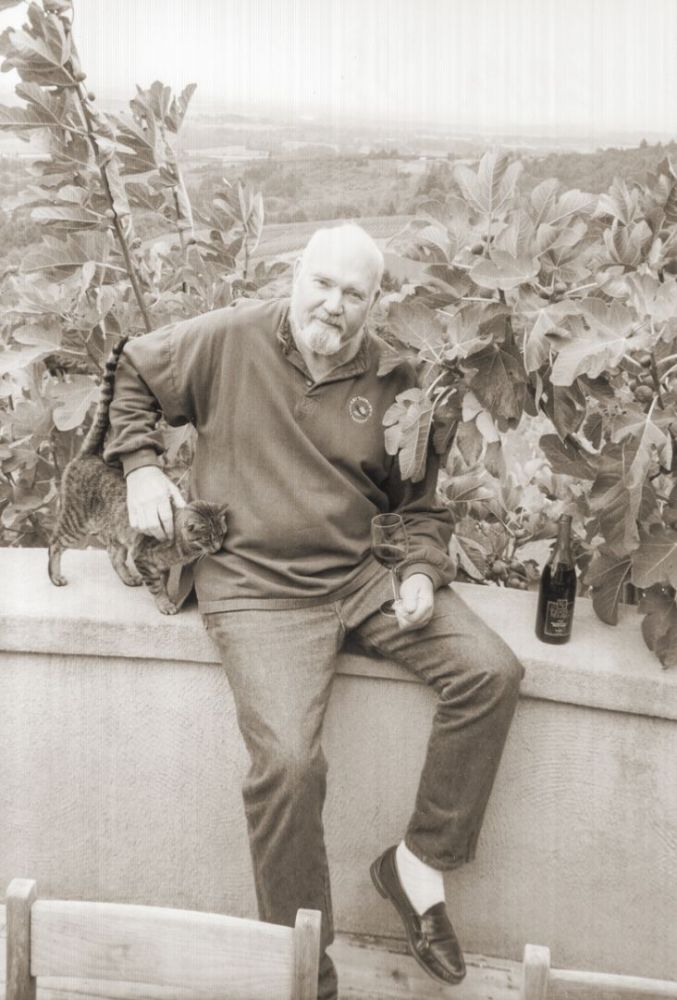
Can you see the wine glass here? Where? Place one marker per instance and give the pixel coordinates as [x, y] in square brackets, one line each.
[389, 544]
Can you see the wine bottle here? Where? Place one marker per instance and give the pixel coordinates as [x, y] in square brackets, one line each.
[557, 592]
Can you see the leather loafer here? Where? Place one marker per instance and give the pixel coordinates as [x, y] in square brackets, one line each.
[431, 937]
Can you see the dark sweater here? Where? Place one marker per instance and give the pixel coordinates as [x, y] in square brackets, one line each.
[301, 464]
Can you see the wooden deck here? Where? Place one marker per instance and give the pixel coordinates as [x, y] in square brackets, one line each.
[369, 969]
[381, 969]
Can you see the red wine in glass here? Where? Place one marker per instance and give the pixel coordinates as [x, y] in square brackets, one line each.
[390, 545]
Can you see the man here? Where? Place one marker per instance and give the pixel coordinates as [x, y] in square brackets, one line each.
[288, 408]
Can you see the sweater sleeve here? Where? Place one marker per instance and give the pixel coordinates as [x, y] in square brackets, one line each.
[428, 523]
[133, 438]
[164, 373]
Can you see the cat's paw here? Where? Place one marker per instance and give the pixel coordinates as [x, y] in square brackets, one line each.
[167, 607]
[58, 581]
[133, 580]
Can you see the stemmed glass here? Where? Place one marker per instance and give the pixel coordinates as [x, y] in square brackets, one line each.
[390, 545]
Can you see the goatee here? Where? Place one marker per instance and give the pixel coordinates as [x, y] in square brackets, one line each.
[324, 340]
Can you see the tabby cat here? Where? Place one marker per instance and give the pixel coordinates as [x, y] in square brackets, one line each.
[93, 501]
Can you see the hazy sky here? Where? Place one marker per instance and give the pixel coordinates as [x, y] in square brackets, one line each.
[585, 65]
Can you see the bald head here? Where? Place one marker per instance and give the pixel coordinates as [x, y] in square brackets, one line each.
[348, 242]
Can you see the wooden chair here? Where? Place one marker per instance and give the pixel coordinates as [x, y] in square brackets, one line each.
[541, 982]
[173, 953]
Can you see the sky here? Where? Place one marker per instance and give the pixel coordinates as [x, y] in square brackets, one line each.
[547, 66]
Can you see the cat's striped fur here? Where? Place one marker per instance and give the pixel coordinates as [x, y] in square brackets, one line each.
[93, 501]
[96, 435]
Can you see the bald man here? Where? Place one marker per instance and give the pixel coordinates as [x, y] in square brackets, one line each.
[288, 406]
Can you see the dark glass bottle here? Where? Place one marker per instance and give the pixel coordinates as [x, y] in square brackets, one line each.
[557, 591]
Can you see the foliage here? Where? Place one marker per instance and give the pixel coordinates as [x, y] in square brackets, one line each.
[540, 326]
[316, 189]
[596, 171]
[106, 179]
[557, 307]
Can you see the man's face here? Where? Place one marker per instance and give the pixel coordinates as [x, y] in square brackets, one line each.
[334, 289]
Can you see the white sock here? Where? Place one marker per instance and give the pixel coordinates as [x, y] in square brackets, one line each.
[423, 885]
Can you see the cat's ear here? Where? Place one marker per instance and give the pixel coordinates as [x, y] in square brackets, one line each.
[223, 514]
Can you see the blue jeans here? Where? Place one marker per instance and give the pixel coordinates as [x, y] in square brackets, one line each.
[280, 665]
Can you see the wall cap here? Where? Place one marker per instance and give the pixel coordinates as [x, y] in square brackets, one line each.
[601, 667]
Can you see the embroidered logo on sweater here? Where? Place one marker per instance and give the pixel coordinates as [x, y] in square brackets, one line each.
[360, 409]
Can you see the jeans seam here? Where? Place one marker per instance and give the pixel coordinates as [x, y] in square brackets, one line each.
[328, 912]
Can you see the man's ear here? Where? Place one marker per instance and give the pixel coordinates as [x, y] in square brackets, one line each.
[297, 267]
[376, 296]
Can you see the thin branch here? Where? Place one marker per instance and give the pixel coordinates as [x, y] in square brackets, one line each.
[670, 370]
[184, 284]
[246, 255]
[581, 288]
[432, 385]
[55, 460]
[131, 270]
[656, 380]
[85, 343]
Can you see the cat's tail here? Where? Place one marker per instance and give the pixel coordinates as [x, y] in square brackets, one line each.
[93, 442]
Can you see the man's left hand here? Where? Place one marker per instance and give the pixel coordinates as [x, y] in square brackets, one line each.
[417, 601]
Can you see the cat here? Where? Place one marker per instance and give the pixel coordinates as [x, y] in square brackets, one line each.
[93, 501]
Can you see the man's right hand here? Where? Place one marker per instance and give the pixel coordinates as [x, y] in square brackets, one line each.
[150, 495]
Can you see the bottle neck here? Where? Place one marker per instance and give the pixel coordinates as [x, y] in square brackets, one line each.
[562, 554]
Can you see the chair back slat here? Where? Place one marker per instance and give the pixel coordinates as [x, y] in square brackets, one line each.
[541, 982]
[306, 954]
[19, 984]
[199, 952]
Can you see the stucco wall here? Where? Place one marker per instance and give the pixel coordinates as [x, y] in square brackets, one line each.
[120, 765]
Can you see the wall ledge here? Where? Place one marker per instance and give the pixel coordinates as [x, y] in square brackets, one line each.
[602, 667]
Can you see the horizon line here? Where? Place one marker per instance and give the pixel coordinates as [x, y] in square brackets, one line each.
[315, 114]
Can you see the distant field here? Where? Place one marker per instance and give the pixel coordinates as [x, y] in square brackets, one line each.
[287, 237]
[284, 238]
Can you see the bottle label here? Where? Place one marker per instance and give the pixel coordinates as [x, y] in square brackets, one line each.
[558, 617]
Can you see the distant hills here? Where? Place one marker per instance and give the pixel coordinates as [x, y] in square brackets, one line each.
[211, 125]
